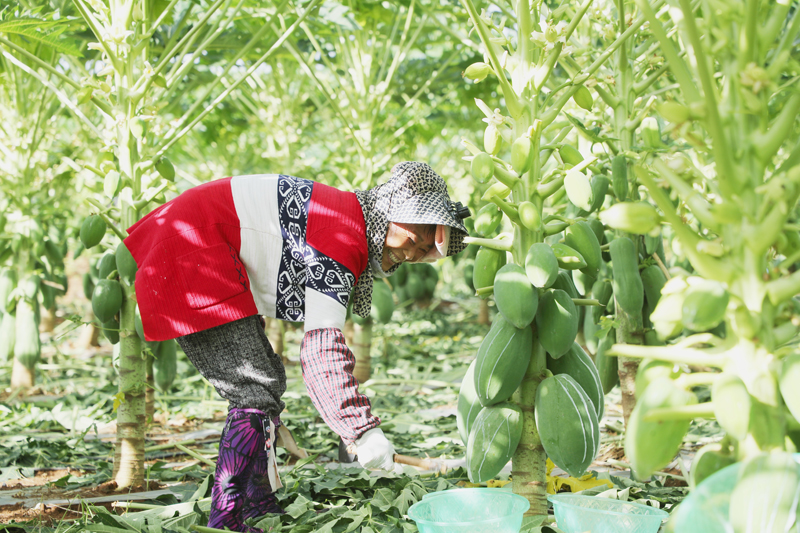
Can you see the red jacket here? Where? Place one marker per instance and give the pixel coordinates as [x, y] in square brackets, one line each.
[274, 245]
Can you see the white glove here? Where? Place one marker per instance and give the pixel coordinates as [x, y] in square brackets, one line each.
[375, 451]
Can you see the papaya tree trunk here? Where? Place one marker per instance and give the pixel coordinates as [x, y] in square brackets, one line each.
[529, 464]
[150, 391]
[22, 376]
[362, 342]
[630, 329]
[89, 336]
[48, 320]
[631, 333]
[275, 335]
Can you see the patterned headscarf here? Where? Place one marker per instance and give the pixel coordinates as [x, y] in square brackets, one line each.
[414, 194]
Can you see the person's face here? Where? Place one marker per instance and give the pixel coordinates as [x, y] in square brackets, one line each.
[406, 242]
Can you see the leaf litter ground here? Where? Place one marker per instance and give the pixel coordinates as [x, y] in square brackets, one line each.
[56, 446]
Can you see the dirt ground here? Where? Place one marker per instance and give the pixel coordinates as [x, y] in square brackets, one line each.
[48, 515]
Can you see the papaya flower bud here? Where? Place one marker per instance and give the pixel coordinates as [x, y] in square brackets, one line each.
[477, 71]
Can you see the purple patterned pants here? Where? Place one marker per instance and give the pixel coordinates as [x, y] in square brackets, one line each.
[241, 486]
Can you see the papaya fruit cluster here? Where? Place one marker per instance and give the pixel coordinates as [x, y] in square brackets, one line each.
[34, 281]
[570, 402]
[414, 281]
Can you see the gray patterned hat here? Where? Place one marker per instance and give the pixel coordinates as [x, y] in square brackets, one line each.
[414, 194]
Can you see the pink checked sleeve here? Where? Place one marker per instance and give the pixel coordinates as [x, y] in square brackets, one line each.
[327, 365]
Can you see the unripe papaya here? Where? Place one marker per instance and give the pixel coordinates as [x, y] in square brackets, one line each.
[570, 155]
[606, 365]
[651, 445]
[591, 321]
[53, 253]
[602, 291]
[27, 347]
[165, 169]
[583, 97]
[106, 265]
[582, 239]
[628, 289]
[92, 230]
[482, 167]
[165, 365]
[521, 155]
[88, 285]
[619, 177]
[564, 282]
[673, 112]
[502, 360]
[788, 383]
[732, 404]
[651, 369]
[415, 286]
[765, 496]
[568, 257]
[577, 364]
[491, 139]
[382, 303]
[541, 265]
[666, 317]
[487, 219]
[487, 263]
[110, 330]
[516, 298]
[8, 281]
[600, 185]
[106, 299]
[477, 71]
[496, 190]
[493, 440]
[7, 336]
[653, 280]
[30, 285]
[468, 404]
[579, 190]
[530, 216]
[557, 321]
[704, 305]
[709, 459]
[125, 264]
[639, 218]
[651, 133]
[468, 272]
[567, 424]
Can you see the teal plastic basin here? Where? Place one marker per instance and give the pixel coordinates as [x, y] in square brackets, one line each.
[469, 511]
[577, 514]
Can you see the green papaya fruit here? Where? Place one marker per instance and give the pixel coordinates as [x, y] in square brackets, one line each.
[517, 300]
[577, 364]
[502, 360]
[557, 321]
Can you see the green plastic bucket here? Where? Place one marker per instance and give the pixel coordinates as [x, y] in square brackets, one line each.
[469, 511]
[707, 507]
[576, 513]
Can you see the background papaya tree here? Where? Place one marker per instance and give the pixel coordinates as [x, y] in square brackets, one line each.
[612, 118]
[39, 139]
[150, 54]
[527, 53]
[380, 70]
[739, 187]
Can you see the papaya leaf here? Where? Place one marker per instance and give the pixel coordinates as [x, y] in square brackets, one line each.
[51, 39]
[592, 135]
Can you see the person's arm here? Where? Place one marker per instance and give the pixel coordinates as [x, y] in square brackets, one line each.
[327, 365]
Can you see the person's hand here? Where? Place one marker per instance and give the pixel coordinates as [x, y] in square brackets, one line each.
[375, 451]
